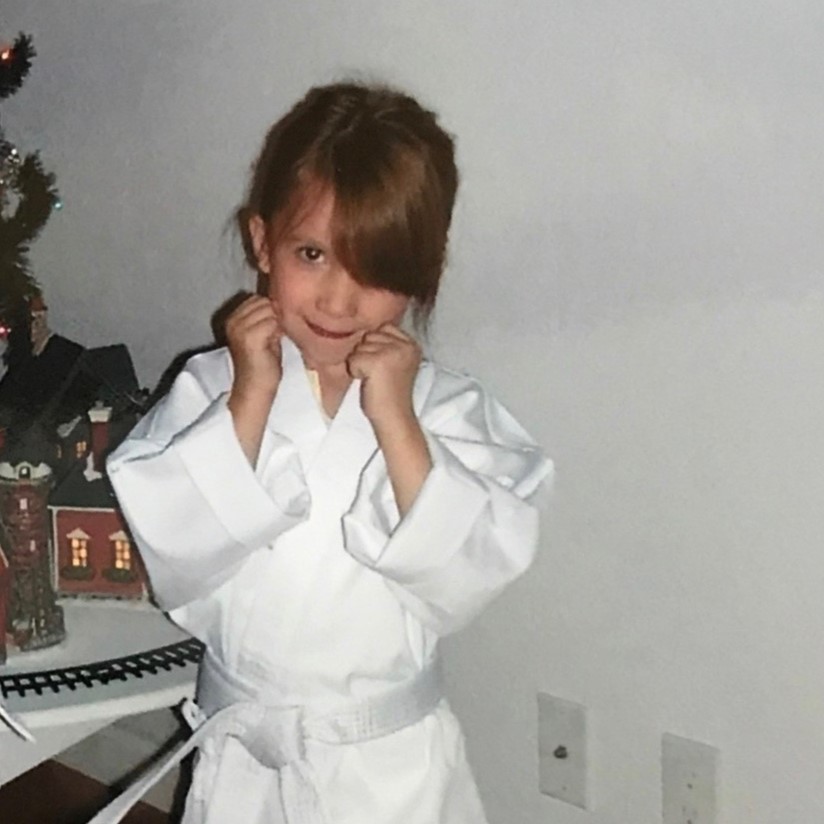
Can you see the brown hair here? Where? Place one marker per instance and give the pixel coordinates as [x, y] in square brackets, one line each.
[391, 169]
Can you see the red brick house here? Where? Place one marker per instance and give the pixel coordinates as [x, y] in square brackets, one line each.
[93, 553]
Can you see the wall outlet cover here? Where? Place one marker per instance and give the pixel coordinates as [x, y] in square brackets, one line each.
[689, 779]
[562, 750]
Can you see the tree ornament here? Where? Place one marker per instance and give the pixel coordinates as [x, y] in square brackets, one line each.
[15, 62]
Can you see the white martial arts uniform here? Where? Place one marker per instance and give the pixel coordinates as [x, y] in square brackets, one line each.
[302, 581]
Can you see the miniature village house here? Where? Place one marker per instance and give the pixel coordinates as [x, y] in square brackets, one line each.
[93, 552]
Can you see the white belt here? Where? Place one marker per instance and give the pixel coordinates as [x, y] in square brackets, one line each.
[276, 736]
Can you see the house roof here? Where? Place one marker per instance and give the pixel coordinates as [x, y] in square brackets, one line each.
[32, 444]
[104, 373]
[75, 490]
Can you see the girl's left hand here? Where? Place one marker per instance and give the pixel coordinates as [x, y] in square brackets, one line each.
[387, 361]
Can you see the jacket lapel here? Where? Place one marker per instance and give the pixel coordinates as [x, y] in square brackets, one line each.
[326, 450]
[295, 412]
[351, 439]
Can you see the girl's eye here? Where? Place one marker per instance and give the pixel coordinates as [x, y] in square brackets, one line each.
[311, 254]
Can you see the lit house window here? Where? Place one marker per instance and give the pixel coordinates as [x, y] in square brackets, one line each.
[80, 552]
[122, 570]
[24, 504]
[78, 563]
[122, 555]
[79, 546]
[80, 448]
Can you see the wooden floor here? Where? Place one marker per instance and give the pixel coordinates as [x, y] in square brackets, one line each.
[55, 794]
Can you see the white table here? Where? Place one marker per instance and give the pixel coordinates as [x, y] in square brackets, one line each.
[118, 659]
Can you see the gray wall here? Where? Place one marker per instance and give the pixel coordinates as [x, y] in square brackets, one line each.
[635, 269]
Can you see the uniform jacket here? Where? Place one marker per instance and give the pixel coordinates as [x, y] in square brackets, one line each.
[298, 574]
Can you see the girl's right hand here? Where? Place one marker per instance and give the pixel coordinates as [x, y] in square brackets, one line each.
[253, 334]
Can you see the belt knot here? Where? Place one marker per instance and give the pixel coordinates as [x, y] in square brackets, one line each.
[274, 736]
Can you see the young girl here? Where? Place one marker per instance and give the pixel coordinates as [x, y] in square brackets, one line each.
[317, 503]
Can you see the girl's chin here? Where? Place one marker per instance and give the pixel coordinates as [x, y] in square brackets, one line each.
[326, 358]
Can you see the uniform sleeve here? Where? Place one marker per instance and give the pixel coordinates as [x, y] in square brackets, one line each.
[472, 529]
[195, 506]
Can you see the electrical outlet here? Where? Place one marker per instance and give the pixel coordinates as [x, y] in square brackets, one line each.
[689, 778]
[562, 750]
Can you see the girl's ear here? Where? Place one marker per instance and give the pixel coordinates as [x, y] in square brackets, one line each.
[260, 243]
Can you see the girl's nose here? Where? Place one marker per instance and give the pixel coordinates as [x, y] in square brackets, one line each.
[338, 297]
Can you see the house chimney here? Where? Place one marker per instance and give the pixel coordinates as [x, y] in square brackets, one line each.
[100, 415]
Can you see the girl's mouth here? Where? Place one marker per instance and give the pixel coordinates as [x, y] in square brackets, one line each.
[328, 333]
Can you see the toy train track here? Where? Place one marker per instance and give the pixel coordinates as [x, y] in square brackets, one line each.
[138, 665]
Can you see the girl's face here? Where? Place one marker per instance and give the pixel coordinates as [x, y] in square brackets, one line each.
[320, 306]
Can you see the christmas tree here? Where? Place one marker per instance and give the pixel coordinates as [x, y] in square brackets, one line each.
[27, 198]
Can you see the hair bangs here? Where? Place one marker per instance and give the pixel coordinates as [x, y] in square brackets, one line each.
[382, 223]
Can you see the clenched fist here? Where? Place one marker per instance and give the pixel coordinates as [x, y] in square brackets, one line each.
[387, 361]
[253, 334]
